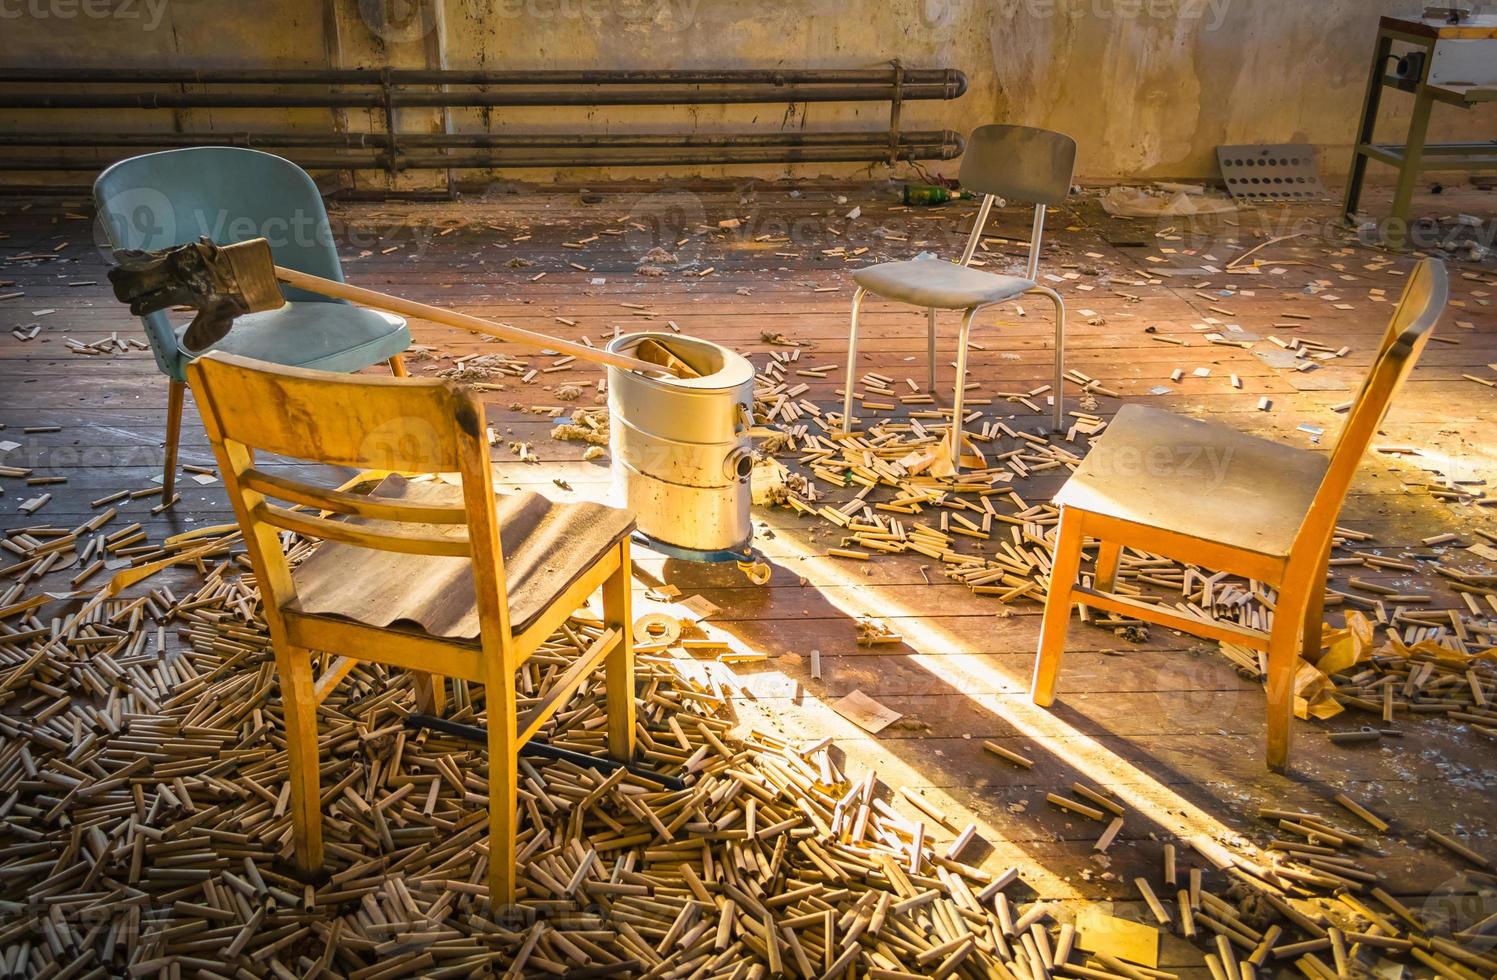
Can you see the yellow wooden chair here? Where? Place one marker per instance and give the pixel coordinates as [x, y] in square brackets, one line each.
[1259, 509]
[419, 575]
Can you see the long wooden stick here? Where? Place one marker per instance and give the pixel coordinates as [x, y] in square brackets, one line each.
[405, 307]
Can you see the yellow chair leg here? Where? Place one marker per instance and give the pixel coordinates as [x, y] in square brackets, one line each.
[397, 367]
[299, 702]
[1315, 609]
[504, 794]
[1283, 657]
[1057, 608]
[431, 693]
[1108, 556]
[619, 668]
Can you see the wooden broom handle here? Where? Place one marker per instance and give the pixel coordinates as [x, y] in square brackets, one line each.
[405, 307]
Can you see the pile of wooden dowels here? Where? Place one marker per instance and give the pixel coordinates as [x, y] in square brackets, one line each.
[144, 831]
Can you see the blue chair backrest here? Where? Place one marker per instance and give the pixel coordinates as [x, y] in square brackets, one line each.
[230, 194]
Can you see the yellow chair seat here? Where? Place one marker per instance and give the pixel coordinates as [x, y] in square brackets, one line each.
[547, 546]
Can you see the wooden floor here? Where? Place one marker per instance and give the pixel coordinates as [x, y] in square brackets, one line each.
[1166, 724]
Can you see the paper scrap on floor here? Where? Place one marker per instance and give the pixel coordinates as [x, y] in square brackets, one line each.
[865, 712]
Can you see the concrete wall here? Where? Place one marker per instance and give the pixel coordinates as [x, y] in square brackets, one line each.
[1148, 87]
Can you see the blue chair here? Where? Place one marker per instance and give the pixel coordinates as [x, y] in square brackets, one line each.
[231, 194]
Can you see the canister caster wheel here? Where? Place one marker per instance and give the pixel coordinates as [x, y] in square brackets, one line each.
[756, 572]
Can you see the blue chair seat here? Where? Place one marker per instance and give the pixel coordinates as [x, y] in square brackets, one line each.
[318, 336]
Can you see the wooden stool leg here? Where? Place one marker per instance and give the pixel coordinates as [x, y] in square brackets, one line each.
[852, 361]
[1283, 656]
[299, 702]
[397, 367]
[1057, 608]
[619, 668]
[176, 393]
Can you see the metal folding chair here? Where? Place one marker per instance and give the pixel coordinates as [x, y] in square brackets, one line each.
[1020, 162]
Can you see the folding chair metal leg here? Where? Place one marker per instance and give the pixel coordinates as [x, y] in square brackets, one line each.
[1060, 352]
[961, 384]
[1057, 617]
[852, 361]
[930, 360]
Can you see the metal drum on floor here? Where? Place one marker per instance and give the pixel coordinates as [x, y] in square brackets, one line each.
[681, 450]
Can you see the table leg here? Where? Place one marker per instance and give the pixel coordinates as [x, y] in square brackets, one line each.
[1368, 126]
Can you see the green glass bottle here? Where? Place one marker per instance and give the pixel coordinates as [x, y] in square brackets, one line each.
[930, 195]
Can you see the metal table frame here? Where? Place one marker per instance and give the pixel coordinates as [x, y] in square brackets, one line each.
[1414, 154]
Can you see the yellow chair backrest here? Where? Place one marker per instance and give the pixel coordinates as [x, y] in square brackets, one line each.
[401, 425]
[1408, 332]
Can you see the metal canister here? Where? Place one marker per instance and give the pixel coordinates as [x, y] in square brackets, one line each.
[681, 448]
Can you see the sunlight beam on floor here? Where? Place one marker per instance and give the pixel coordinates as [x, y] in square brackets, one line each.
[1135, 788]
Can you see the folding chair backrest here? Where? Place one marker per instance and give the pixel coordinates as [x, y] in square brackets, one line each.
[1019, 162]
[228, 193]
[1408, 332]
[402, 425]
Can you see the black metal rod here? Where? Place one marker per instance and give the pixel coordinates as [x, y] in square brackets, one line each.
[743, 95]
[542, 750]
[476, 140]
[583, 158]
[391, 89]
[952, 79]
[499, 161]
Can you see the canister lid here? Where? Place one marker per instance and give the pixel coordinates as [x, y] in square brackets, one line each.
[719, 367]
